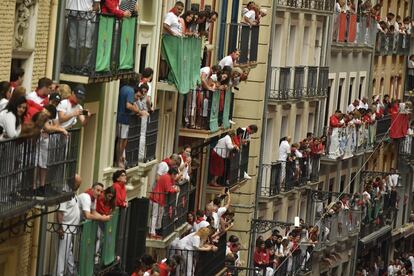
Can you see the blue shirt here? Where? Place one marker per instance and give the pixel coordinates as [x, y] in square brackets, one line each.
[126, 95]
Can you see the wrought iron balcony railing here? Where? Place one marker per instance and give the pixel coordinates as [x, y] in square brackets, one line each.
[407, 148]
[204, 110]
[174, 214]
[234, 167]
[393, 44]
[240, 36]
[317, 5]
[20, 186]
[295, 83]
[352, 29]
[284, 176]
[98, 45]
[142, 139]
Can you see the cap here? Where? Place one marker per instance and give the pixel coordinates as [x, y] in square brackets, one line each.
[80, 91]
[55, 97]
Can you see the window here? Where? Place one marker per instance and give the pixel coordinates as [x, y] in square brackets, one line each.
[342, 183]
[328, 98]
[351, 90]
[382, 86]
[338, 100]
[298, 126]
[143, 57]
[352, 184]
[283, 130]
[361, 87]
[374, 83]
[292, 39]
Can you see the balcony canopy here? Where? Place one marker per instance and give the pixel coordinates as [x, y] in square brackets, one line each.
[183, 56]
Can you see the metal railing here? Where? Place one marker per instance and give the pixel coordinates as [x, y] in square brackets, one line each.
[407, 147]
[98, 45]
[142, 139]
[382, 126]
[298, 82]
[203, 110]
[392, 44]
[21, 159]
[283, 176]
[233, 168]
[351, 28]
[195, 262]
[83, 249]
[243, 37]
[344, 142]
[166, 219]
[318, 5]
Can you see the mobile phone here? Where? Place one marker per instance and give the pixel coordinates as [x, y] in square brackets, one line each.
[226, 190]
[85, 112]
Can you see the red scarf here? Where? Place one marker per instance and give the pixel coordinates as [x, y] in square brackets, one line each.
[90, 193]
[44, 97]
[168, 161]
[199, 219]
[72, 102]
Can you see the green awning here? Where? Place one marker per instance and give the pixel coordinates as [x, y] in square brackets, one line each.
[183, 56]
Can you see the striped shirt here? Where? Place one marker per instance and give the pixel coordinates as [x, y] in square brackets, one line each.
[128, 5]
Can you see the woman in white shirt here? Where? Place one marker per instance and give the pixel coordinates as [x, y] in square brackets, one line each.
[11, 118]
[5, 94]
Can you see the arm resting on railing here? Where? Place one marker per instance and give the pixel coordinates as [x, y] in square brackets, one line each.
[93, 215]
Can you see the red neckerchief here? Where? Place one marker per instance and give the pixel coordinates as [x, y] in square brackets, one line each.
[174, 10]
[184, 157]
[90, 193]
[72, 102]
[199, 219]
[40, 96]
[168, 161]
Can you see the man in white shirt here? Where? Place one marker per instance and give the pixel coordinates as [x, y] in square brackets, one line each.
[70, 111]
[208, 76]
[41, 95]
[284, 148]
[354, 105]
[230, 60]
[363, 103]
[171, 23]
[393, 178]
[87, 203]
[250, 16]
[68, 216]
[163, 167]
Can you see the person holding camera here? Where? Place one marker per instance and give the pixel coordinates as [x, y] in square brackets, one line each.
[70, 110]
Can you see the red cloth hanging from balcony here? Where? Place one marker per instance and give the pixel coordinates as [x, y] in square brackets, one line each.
[352, 27]
[342, 27]
[399, 123]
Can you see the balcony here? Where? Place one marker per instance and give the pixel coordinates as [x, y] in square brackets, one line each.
[392, 44]
[382, 126]
[298, 83]
[174, 215]
[240, 36]
[206, 113]
[282, 176]
[352, 30]
[234, 168]
[97, 47]
[19, 171]
[349, 141]
[92, 248]
[142, 139]
[180, 63]
[201, 262]
[407, 148]
[315, 5]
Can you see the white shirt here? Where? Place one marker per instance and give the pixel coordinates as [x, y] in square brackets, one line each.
[162, 168]
[172, 21]
[226, 61]
[80, 5]
[71, 214]
[363, 105]
[66, 107]
[393, 180]
[217, 215]
[190, 242]
[202, 224]
[250, 15]
[85, 204]
[34, 97]
[149, 92]
[350, 108]
[411, 259]
[224, 145]
[3, 103]
[284, 150]
[205, 70]
[8, 123]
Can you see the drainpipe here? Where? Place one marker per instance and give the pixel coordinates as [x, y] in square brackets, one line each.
[58, 47]
[264, 125]
[52, 36]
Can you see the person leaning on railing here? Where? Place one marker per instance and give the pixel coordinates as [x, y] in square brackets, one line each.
[87, 203]
[112, 7]
[11, 118]
[171, 24]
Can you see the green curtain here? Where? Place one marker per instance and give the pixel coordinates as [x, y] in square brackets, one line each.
[183, 56]
[126, 53]
[104, 47]
[87, 248]
[109, 239]
[214, 111]
[226, 110]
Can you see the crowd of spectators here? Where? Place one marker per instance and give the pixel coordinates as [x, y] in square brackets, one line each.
[402, 264]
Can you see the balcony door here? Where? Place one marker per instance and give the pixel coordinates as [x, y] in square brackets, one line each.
[226, 30]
